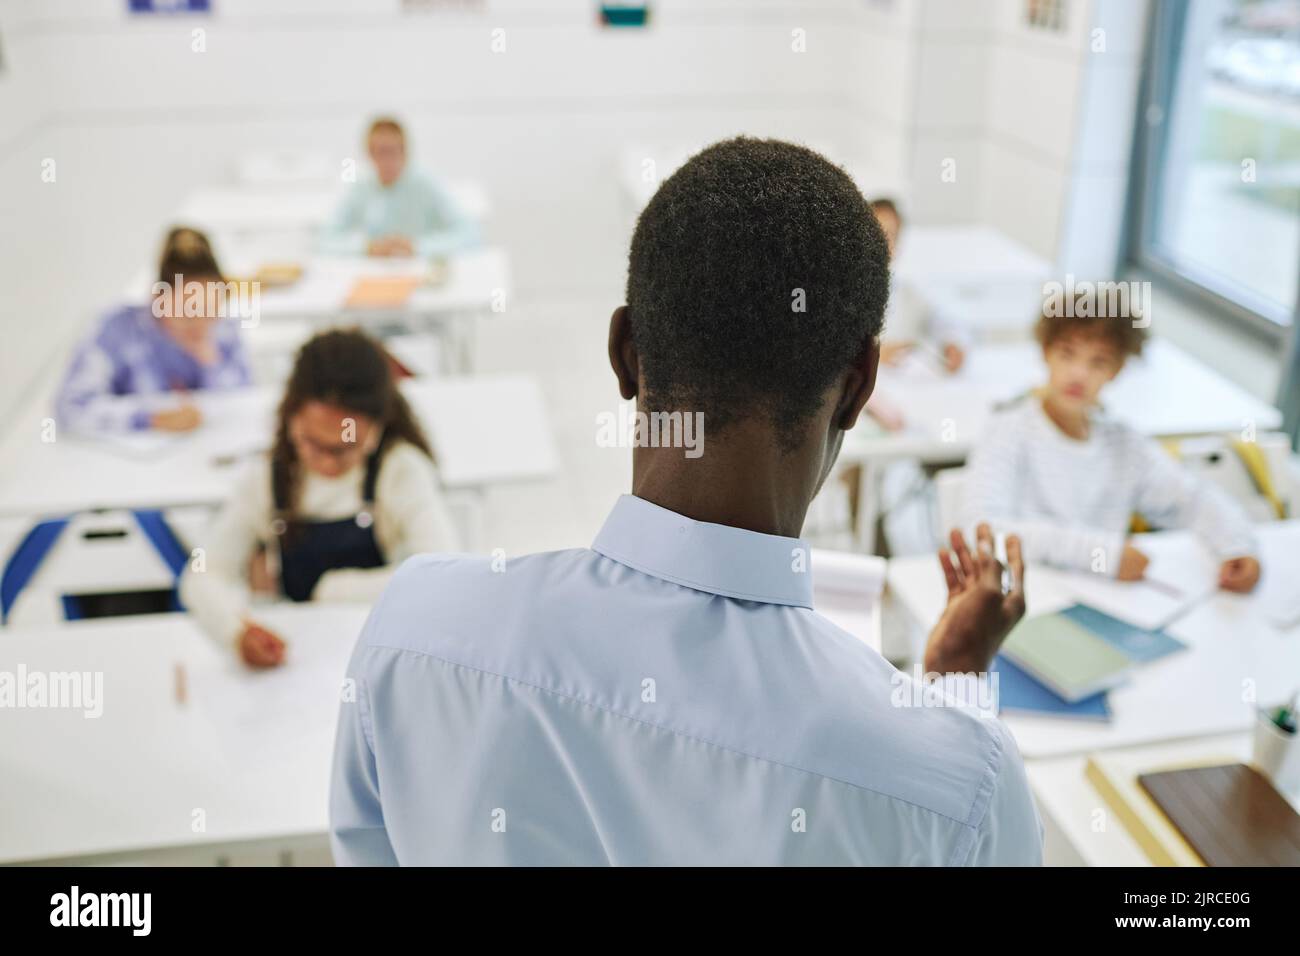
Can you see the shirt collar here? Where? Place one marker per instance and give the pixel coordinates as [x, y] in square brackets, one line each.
[714, 558]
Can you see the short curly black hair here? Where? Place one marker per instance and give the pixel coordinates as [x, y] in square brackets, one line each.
[757, 274]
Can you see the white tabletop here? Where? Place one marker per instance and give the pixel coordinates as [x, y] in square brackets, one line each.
[1069, 803]
[987, 313]
[476, 280]
[1237, 653]
[250, 751]
[969, 254]
[250, 208]
[486, 429]
[1165, 393]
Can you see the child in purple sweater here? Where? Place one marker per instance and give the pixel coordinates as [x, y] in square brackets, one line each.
[138, 354]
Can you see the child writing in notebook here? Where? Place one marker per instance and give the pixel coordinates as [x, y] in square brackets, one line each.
[348, 492]
[1053, 468]
[138, 354]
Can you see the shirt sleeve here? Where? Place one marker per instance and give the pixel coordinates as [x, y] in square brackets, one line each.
[411, 518]
[343, 234]
[1170, 496]
[234, 368]
[449, 229]
[358, 836]
[1010, 833]
[991, 491]
[85, 401]
[215, 589]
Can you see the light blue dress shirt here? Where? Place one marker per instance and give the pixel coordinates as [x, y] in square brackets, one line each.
[415, 206]
[667, 696]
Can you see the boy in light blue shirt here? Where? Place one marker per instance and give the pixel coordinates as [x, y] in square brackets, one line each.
[399, 211]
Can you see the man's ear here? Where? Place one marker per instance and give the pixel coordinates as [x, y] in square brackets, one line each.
[858, 386]
[622, 353]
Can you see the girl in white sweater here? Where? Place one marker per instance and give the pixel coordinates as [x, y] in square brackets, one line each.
[348, 492]
[1066, 478]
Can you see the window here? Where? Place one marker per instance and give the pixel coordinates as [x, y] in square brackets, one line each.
[1220, 178]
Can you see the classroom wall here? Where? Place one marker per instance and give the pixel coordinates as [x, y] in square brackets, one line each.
[1032, 127]
[135, 119]
[27, 214]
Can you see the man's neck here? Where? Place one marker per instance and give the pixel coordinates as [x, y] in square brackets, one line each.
[733, 484]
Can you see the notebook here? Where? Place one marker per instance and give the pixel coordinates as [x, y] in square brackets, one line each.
[1141, 645]
[1151, 603]
[1230, 815]
[1115, 776]
[1068, 658]
[381, 292]
[1018, 692]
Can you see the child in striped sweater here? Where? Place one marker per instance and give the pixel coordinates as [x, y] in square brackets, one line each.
[1053, 468]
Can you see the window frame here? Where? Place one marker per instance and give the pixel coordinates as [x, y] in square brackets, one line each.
[1238, 305]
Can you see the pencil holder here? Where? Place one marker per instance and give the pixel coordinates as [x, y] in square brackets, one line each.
[1277, 753]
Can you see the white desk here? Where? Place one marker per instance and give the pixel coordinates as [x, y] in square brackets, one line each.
[973, 255]
[474, 281]
[450, 296]
[482, 430]
[986, 313]
[971, 278]
[251, 208]
[249, 751]
[489, 428]
[1076, 833]
[1165, 393]
[1236, 653]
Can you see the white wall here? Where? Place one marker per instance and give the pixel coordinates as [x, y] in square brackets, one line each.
[28, 214]
[135, 119]
[1037, 125]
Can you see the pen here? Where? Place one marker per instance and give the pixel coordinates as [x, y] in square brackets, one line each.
[1163, 587]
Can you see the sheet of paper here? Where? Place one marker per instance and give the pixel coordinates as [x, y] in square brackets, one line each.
[1182, 574]
[849, 573]
[381, 292]
[263, 716]
[1149, 604]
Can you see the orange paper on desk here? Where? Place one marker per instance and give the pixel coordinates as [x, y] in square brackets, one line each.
[381, 292]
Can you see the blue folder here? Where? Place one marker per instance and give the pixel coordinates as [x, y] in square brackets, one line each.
[1018, 691]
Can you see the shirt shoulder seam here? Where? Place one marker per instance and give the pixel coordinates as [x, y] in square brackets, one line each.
[983, 800]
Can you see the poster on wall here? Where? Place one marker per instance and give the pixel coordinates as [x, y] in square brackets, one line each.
[624, 14]
[169, 6]
[1045, 14]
